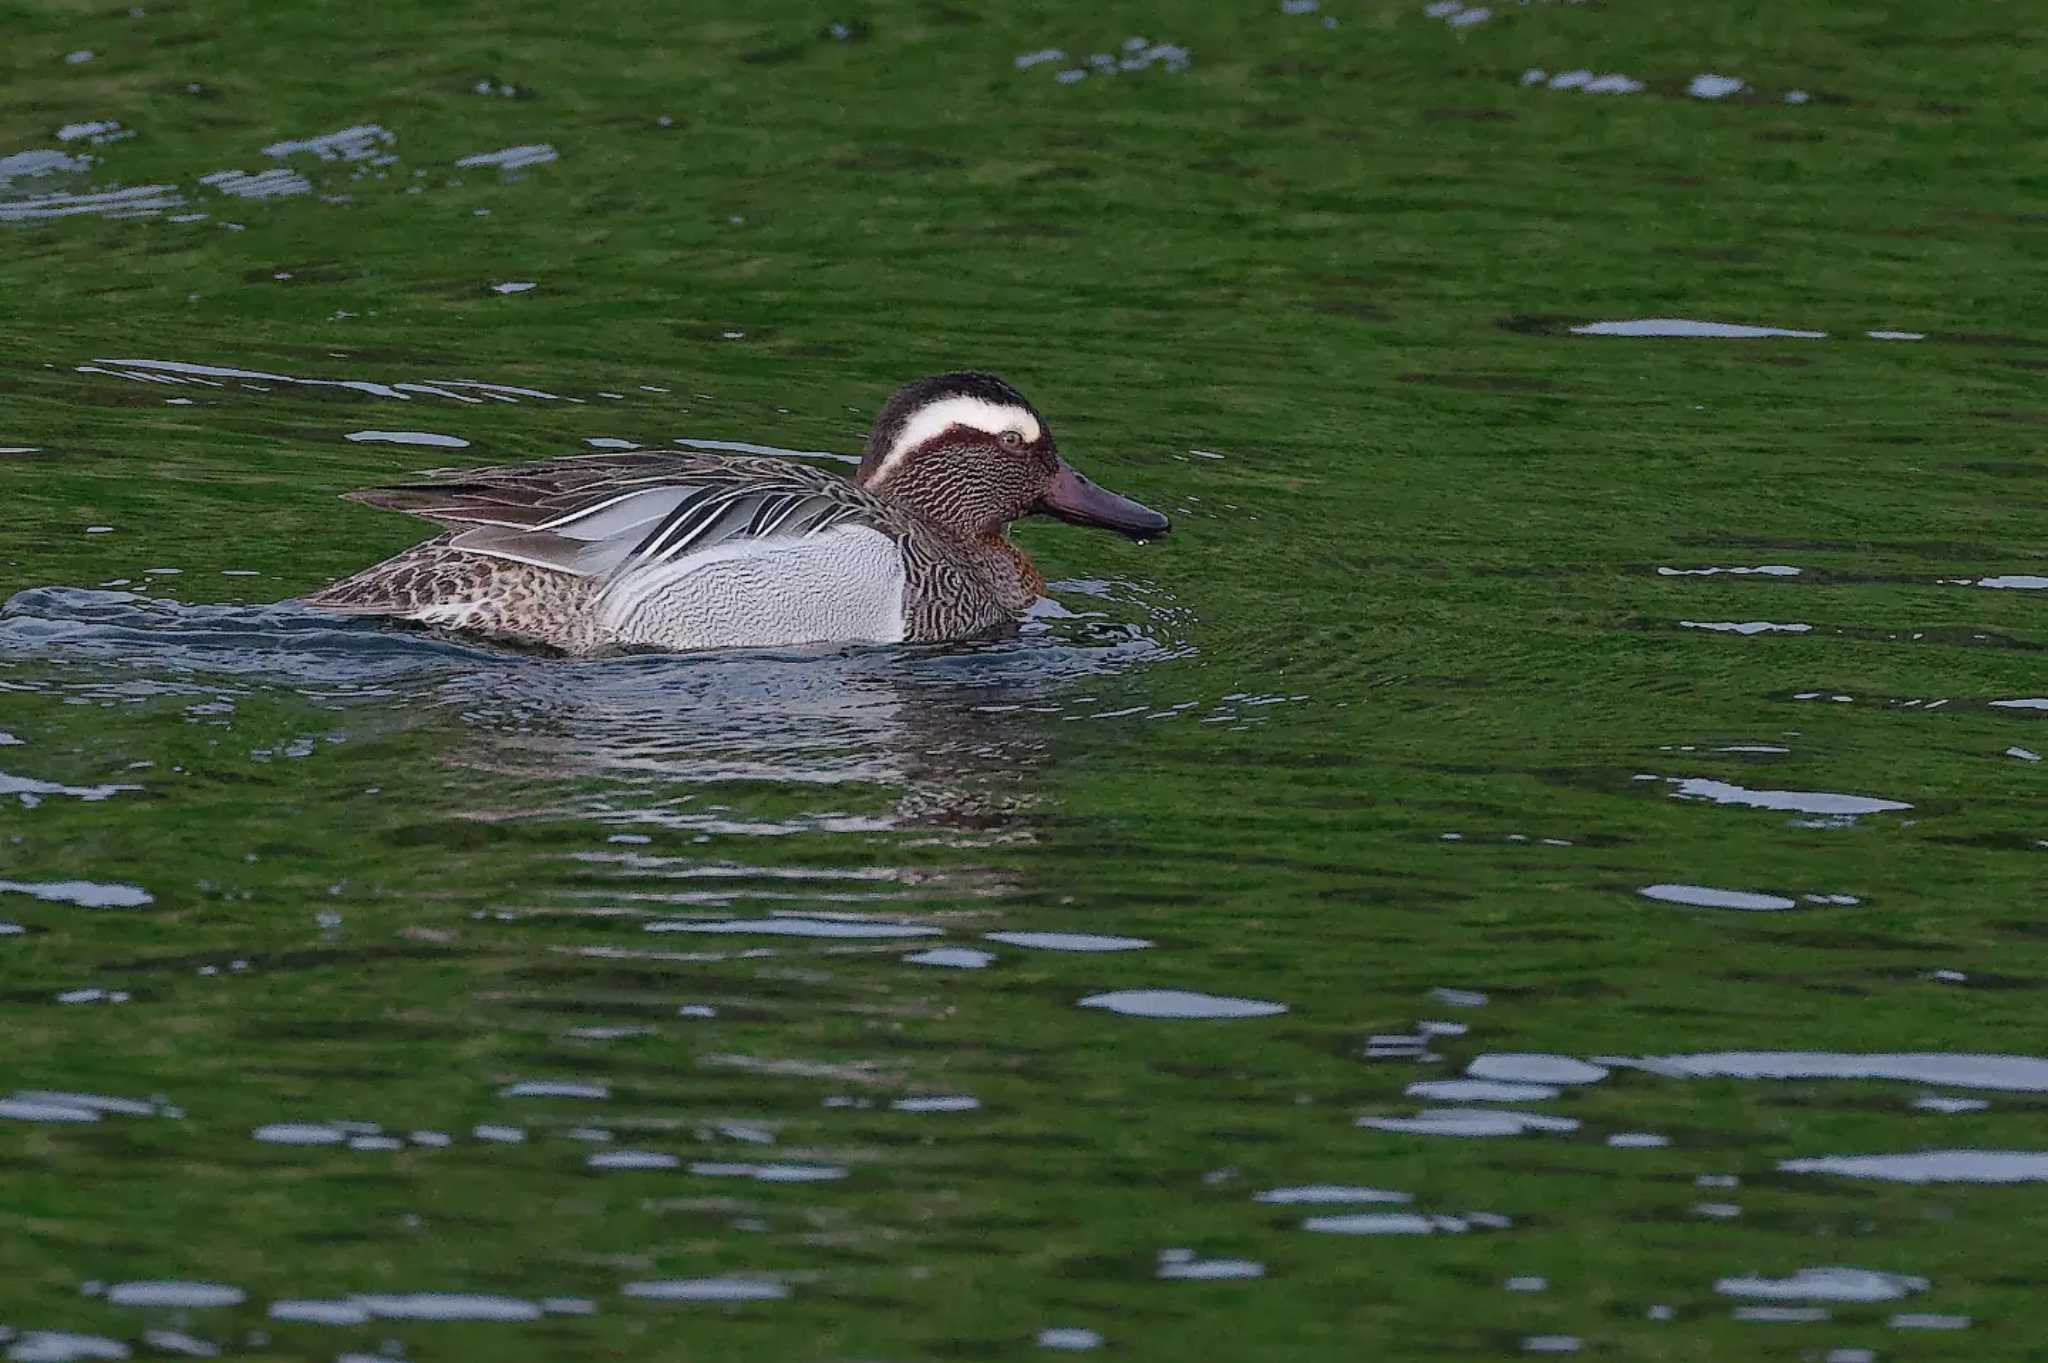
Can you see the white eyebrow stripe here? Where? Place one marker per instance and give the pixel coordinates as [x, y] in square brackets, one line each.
[958, 410]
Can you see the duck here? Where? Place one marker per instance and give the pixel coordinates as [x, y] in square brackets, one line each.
[658, 550]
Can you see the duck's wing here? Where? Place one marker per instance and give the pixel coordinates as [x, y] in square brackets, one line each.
[603, 515]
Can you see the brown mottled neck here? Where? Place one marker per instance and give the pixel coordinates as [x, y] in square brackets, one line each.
[1017, 579]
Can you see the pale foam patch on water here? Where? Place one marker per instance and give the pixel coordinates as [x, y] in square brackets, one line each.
[1180, 1003]
[1893, 335]
[1068, 941]
[1825, 1284]
[1927, 1320]
[515, 286]
[174, 1294]
[450, 442]
[1746, 626]
[1707, 897]
[87, 894]
[2002, 1073]
[1684, 327]
[1931, 1166]
[1792, 801]
[2023, 703]
[1478, 1123]
[707, 1289]
[1328, 1194]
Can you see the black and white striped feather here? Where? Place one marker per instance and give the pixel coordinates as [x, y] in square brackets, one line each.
[603, 516]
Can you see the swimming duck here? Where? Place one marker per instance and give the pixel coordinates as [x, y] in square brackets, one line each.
[670, 550]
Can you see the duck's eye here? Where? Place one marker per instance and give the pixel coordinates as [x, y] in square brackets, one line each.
[1012, 440]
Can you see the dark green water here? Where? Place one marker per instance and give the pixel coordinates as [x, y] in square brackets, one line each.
[589, 1004]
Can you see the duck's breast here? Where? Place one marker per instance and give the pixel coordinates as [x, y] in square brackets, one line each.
[839, 585]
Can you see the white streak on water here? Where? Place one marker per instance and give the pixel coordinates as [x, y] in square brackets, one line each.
[1183, 1267]
[1931, 1166]
[1314, 1194]
[62, 1346]
[446, 1306]
[1481, 1091]
[799, 927]
[1469, 1122]
[191, 1296]
[1745, 626]
[1795, 801]
[747, 447]
[314, 1312]
[707, 1289]
[1679, 326]
[1825, 1284]
[276, 183]
[2005, 1073]
[1530, 1067]
[955, 958]
[1711, 86]
[1384, 1223]
[1767, 570]
[512, 158]
[1069, 1338]
[19, 1109]
[449, 442]
[1068, 941]
[1706, 897]
[556, 1088]
[2022, 582]
[347, 144]
[84, 893]
[1889, 335]
[1180, 1003]
[2024, 703]
[299, 1133]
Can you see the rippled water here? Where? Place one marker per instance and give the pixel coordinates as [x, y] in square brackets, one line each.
[1544, 859]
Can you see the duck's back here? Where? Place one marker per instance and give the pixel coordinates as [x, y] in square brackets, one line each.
[662, 550]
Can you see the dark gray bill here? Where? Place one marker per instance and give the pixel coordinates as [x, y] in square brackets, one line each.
[1074, 498]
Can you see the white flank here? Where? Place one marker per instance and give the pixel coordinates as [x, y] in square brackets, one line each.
[960, 410]
[839, 585]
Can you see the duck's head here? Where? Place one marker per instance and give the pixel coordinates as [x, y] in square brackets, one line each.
[968, 451]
